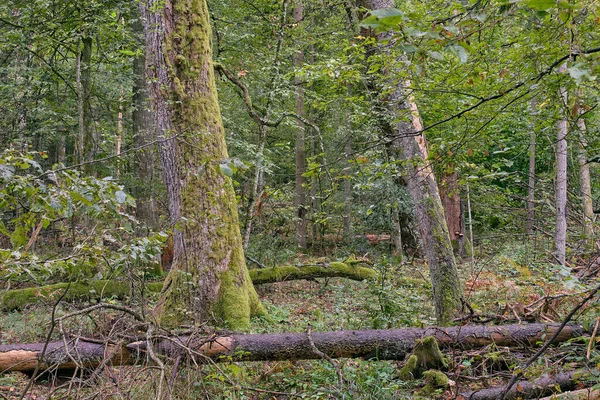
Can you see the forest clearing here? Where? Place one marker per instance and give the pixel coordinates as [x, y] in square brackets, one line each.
[299, 199]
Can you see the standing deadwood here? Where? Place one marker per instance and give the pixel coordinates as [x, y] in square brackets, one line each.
[560, 236]
[389, 344]
[451, 201]
[531, 182]
[409, 144]
[300, 194]
[208, 280]
[584, 180]
[143, 133]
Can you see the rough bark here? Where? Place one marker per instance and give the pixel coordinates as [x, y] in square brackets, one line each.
[451, 201]
[542, 386]
[560, 235]
[143, 134]
[209, 280]
[17, 299]
[531, 182]
[371, 344]
[412, 148]
[300, 193]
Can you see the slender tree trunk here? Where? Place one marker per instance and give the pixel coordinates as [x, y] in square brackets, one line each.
[143, 134]
[300, 196]
[88, 147]
[585, 183]
[252, 209]
[347, 188]
[560, 237]
[208, 281]
[531, 183]
[412, 148]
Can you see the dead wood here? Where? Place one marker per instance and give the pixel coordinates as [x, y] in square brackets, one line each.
[94, 290]
[370, 344]
[543, 386]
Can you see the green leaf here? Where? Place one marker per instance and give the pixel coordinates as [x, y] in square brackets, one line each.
[540, 5]
[436, 55]
[460, 52]
[226, 170]
[121, 196]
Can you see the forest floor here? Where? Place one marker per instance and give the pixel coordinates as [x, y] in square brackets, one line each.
[502, 290]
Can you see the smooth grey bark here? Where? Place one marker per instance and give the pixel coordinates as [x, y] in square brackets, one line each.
[531, 182]
[585, 182]
[143, 134]
[409, 144]
[560, 236]
[88, 145]
[300, 190]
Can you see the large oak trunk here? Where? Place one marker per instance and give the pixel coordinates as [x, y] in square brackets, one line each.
[371, 344]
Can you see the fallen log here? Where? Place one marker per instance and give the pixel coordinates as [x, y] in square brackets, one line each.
[370, 344]
[94, 290]
[542, 386]
[581, 394]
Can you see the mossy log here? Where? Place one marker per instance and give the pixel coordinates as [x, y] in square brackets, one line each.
[370, 344]
[94, 290]
[542, 386]
[426, 355]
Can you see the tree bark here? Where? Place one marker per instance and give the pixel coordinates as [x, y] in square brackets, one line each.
[542, 386]
[585, 183]
[86, 133]
[143, 134]
[531, 182]
[300, 194]
[451, 201]
[560, 236]
[209, 280]
[392, 344]
[412, 148]
[347, 188]
[18, 299]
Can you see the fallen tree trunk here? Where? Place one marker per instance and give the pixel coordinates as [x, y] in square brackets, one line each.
[370, 344]
[94, 290]
[542, 386]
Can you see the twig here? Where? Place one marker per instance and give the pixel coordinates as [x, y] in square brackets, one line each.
[591, 344]
[255, 261]
[325, 356]
[541, 351]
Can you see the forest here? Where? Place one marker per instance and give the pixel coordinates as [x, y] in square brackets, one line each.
[299, 199]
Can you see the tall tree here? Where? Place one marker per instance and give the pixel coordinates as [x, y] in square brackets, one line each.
[300, 194]
[560, 235]
[531, 174]
[409, 144]
[209, 280]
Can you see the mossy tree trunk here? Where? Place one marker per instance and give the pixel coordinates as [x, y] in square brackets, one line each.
[209, 281]
[408, 143]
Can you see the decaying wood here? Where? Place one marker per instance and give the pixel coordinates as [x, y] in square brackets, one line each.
[19, 298]
[581, 394]
[543, 386]
[370, 344]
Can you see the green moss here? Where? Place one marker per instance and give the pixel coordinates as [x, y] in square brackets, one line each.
[290, 272]
[425, 355]
[435, 380]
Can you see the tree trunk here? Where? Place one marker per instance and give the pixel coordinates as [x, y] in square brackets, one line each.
[347, 188]
[560, 236]
[17, 299]
[209, 280]
[86, 135]
[392, 344]
[542, 386]
[451, 201]
[585, 183]
[143, 134]
[300, 195]
[412, 148]
[531, 184]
